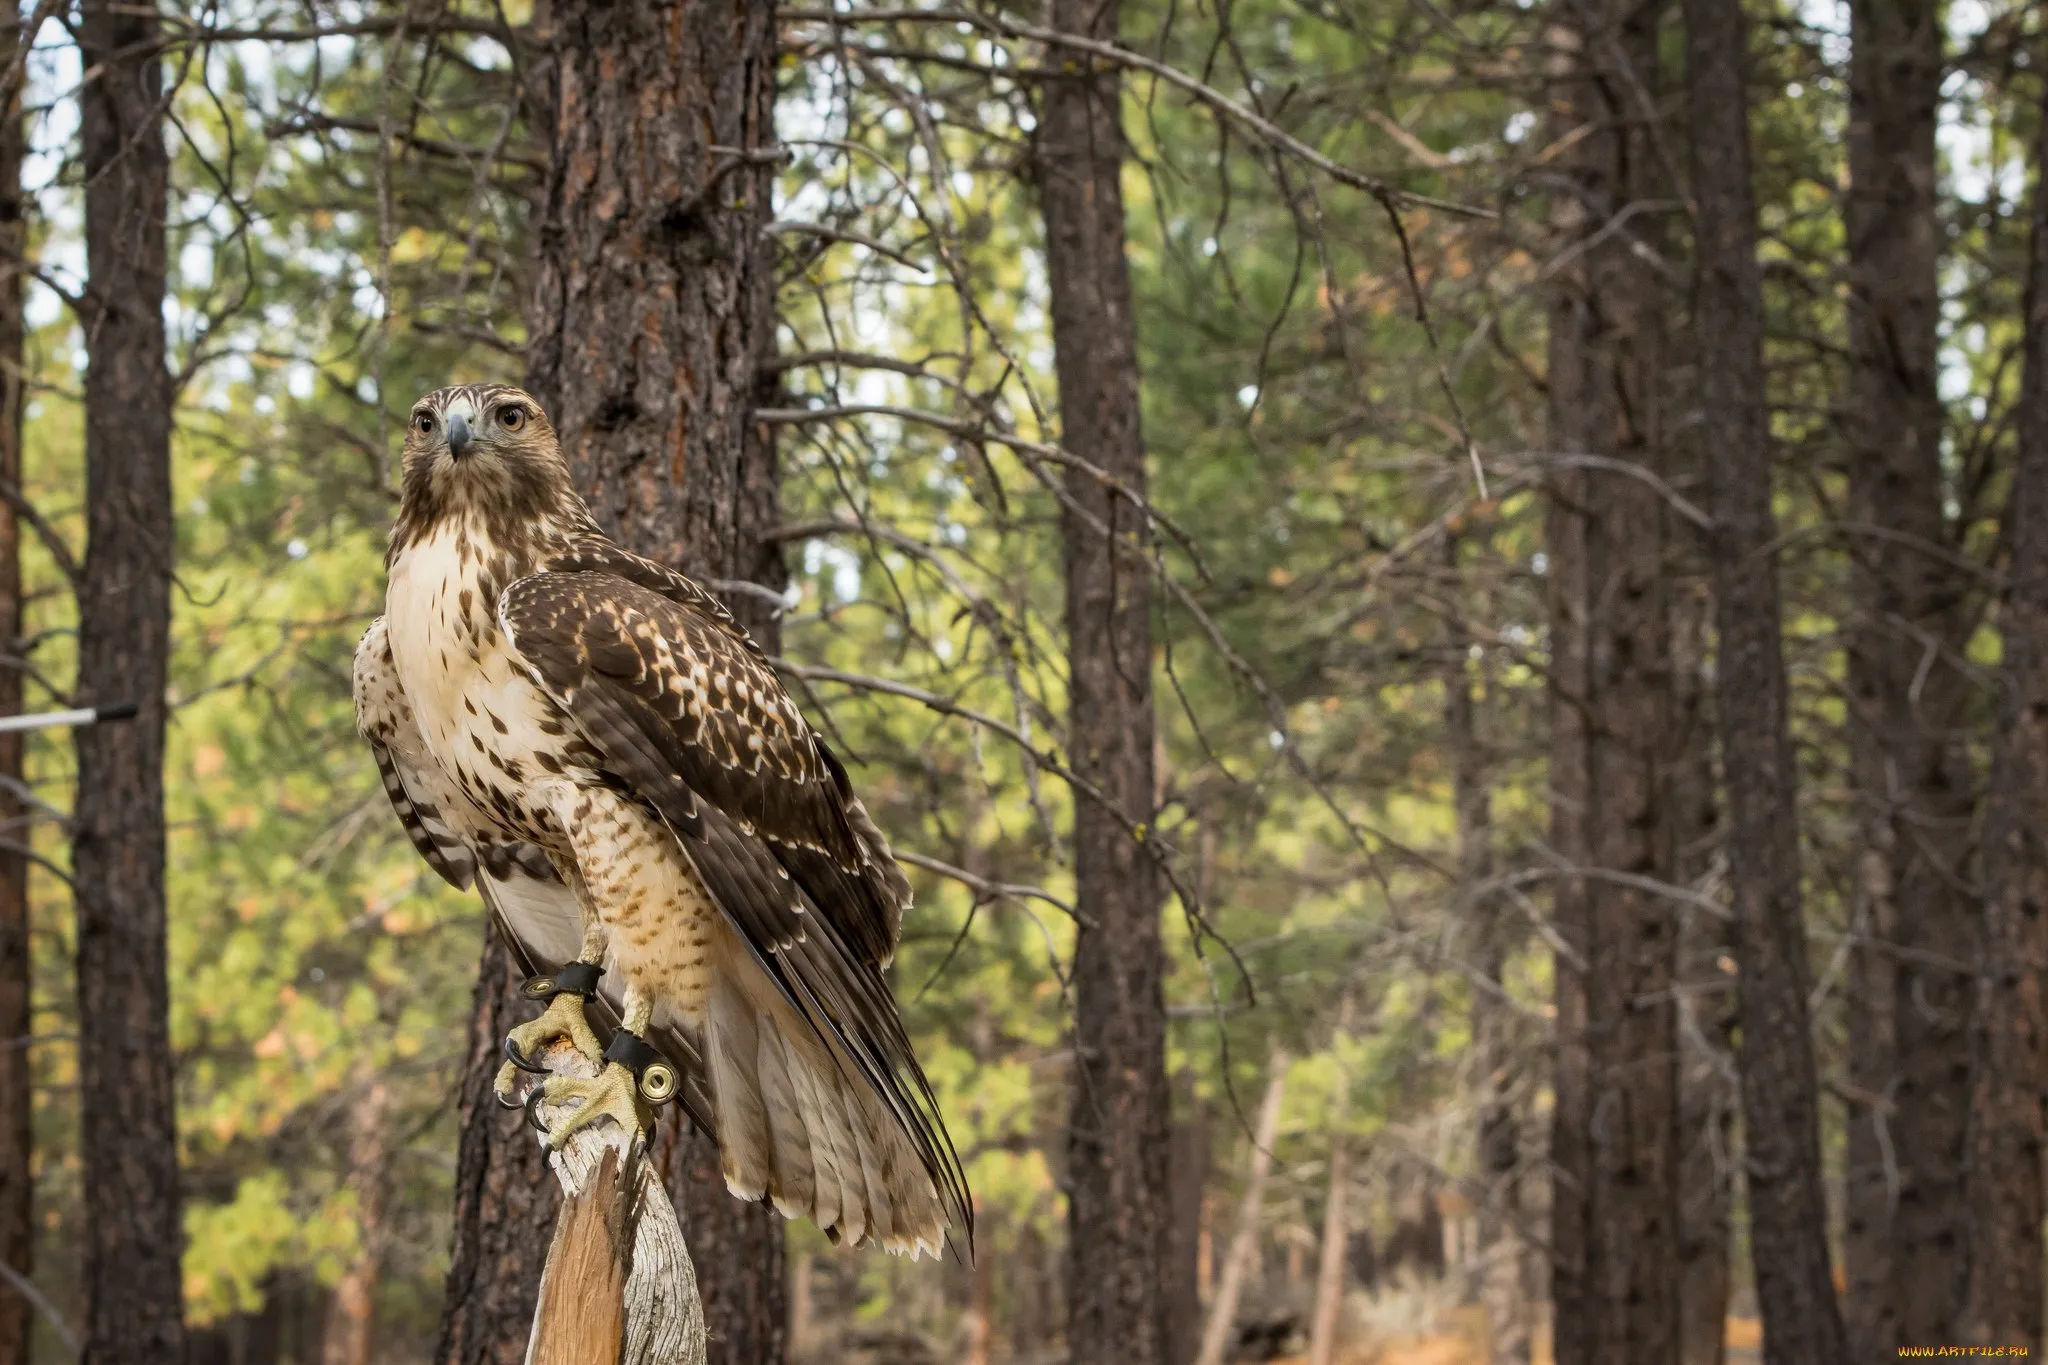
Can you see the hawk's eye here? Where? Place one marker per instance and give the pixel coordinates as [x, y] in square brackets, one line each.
[511, 417]
[424, 423]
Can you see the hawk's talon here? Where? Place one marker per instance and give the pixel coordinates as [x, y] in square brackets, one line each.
[562, 1020]
[520, 1059]
[533, 1098]
[612, 1093]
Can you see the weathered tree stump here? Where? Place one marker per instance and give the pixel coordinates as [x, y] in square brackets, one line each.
[619, 1287]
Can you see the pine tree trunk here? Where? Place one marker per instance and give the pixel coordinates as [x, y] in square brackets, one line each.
[1568, 367]
[1328, 1304]
[1623, 1305]
[1780, 1101]
[1240, 1261]
[652, 311]
[2006, 1198]
[1706, 1005]
[351, 1312]
[1907, 1242]
[17, 1126]
[128, 1122]
[1187, 1179]
[1116, 1160]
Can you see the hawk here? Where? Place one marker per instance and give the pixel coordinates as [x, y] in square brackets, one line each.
[591, 739]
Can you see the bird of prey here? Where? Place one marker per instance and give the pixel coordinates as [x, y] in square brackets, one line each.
[593, 740]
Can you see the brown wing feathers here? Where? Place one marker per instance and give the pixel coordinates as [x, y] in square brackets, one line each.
[690, 717]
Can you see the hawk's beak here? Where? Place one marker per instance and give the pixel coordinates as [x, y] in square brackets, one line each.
[458, 434]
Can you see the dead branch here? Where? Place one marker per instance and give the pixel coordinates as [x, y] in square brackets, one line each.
[618, 1287]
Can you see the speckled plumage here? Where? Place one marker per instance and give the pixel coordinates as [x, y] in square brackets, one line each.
[586, 728]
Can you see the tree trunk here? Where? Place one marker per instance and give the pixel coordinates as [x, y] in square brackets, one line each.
[1706, 1003]
[1329, 1296]
[2006, 1200]
[128, 1121]
[1117, 1221]
[1244, 1242]
[1605, 402]
[1568, 368]
[1187, 1180]
[1906, 1241]
[17, 1125]
[351, 1312]
[1780, 1103]
[653, 310]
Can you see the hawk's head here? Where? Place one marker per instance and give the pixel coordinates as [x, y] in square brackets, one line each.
[484, 448]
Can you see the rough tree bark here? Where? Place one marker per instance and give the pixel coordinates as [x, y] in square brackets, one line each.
[1905, 1245]
[128, 1130]
[1780, 1097]
[1116, 1158]
[17, 1128]
[1618, 1297]
[1707, 1098]
[652, 311]
[2006, 1200]
[1568, 371]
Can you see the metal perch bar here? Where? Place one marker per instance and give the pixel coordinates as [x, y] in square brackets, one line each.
[83, 715]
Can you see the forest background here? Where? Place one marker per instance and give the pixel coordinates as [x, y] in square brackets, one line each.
[1555, 954]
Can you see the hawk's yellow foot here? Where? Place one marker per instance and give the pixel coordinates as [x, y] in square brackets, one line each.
[613, 1093]
[562, 1020]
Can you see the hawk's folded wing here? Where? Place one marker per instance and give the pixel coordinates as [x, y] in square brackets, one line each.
[690, 717]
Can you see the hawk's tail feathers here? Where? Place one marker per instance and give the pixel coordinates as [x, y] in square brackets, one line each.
[803, 1128]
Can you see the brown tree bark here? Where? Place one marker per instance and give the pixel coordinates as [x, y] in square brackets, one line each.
[1568, 369]
[2006, 1197]
[17, 1126]
[1116, 1156]
[1707, 1098]
[351, 1311]
[1187, 1179]
[128, 1122]
[652, 311]
[1326, 1313]
[1906, 1244]
[1618, 1297]
[1780, 1101]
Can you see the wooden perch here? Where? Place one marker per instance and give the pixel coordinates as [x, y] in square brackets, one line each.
[618, 1287]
